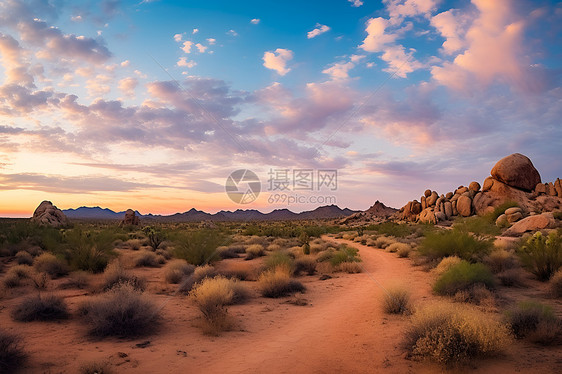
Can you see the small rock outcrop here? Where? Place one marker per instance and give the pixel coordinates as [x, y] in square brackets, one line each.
[377, 212]
[517, 171]
[47, 214]
[130, 219]
[531, 223]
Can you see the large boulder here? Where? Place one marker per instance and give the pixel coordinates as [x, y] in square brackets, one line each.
[464, 206]
[427, 216]
[517, 171]
[531, 223]
[130, 218]
[47, 214]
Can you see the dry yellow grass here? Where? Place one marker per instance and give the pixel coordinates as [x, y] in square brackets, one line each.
[445, 264]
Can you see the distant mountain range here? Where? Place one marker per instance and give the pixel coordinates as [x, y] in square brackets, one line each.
[194, 215]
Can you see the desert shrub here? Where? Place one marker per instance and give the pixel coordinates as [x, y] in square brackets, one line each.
[274, 247]
[452, 334]
[199, 274]
[122, 311]
[78, 279]
[163, 252]
[439, 244]
[324, 268]
[325, 256]
[95, 367]
[12, 354]
[500, 260]
[240, 274]
[349, 267]
[318, 245]
[176, 270]
[278, 283]
[146, 258]
[89, 259]
[278, 259]
[536, 322]
[253, 251]
[134, 244]
[16, 275]
[155, 236]
[24, 258]
[446, 263]
[478, 225]
[51, 265]
[511, 278]
[227, 252]
[541, 254]
[399, 247]
[397, 301]
[398, 230]
[556, 284]
[383, 242]
[40, 308]
[462, 277]
[305, 264]
[199, 247]
[115, 275]
[344, 254]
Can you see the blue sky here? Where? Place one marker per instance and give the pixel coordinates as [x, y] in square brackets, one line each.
[152, 104]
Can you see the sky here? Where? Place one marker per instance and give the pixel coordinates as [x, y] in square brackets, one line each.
[152, 104]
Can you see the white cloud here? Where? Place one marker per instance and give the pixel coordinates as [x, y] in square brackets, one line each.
[255, 21]
[187, 46]
[178, 37]
[232, 33]
[399, 9]
[339, 70]
[182, 62]
[125, 63]
[195, 31]
[452, 26]
[356, 58]
[211, 41]
[277, 60]
[128, 85]
[201, 47]
[76, 18]
[355, 3]
[377, 38]
[320, 29]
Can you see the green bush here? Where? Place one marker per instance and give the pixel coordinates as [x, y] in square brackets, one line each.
[278, 259]
[199, 247]
[535, 321]
[437, 245]
[478, 225]
[462, 277]
[40, 308]
[542, 255]
[345, 254]
[48, 263]
[399, 230]
[452, 334]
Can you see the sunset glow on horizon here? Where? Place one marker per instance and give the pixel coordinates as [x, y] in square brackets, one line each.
[151, 105]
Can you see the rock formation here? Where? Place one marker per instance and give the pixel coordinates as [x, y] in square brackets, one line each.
[378, 211]
[513, 179]
[130, 218]
[47, 214]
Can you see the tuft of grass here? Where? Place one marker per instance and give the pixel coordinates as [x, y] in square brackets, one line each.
[199, 247]
[254, 250]
[536, 322]
[542, 255]
[556, 284]
[146, 258]
[123, 311]
[48, 263]
[78, 279]
[95, 367]
[16, 275]
[12, 355]
[477, 225]
[278, 283]
[115, 275]
[446, 263]
[398, 230]
[439, 244]
[199, 274]
[349, 267]
[278, 259]
[40, 308]
[452, 334]
[500, 260]
[305, 264]
[463, 277]
[176, 270]
[397, 301]
[511, 278]
[344, 254]
[24, 258]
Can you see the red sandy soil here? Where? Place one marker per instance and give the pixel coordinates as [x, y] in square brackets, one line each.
[342, 329]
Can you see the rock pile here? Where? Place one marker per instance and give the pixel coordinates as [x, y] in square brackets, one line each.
[47, 214]
[377, 212]
[130, 219]
[513, 179]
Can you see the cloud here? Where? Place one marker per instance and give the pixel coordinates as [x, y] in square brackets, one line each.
[339, 70]
[399, 9]
[451, 24]
[356, 3]
[125, 63]
[320, 29]
[495, 53]
[277, 60]
[128, 86]
[232, 33]
[255, 21]
[178, 37]
[187, 46]
[15, 65]
[201, 47]
[400, 62]
[195, 31]
[182, 62]
[377, 38]
[211, 41]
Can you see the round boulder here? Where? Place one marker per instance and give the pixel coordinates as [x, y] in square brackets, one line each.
[517, 171]
[464, 206]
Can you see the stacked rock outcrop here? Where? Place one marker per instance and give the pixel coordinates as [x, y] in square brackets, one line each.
[47, 214]
[130, 218]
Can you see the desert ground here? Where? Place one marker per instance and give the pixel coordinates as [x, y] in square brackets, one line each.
[337, 325]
